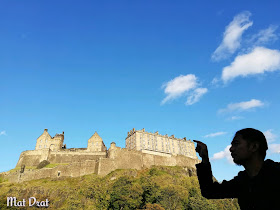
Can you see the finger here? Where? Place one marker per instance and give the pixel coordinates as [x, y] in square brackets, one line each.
[198, 142]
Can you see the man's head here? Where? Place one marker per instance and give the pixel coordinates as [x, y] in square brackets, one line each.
[246, 143]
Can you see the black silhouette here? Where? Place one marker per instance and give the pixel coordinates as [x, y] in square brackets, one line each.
[257, 187]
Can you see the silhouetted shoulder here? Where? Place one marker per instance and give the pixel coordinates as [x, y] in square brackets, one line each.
[272, 166]
[241, 174]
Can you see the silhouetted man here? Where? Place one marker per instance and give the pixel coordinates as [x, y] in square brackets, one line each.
[257, 187]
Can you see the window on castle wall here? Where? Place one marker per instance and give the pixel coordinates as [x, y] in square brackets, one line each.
[45, 146]
[41, 141]
[40, 146]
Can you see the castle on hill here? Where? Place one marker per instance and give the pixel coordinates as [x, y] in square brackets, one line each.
[143, 150]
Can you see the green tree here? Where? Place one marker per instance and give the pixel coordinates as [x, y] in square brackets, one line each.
[126, 194]
[153, 206]
[197, 203]
[151, 191]
[174, 197]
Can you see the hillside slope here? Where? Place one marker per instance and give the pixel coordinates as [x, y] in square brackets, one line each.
[155, 188]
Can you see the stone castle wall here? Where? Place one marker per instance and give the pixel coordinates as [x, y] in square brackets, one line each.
[96, 158]
[81, 163]
[30, 158]
[74, 169]
[34, 157]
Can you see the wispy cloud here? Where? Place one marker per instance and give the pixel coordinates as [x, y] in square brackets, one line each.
[223, 154]
[270, 136]
[242, 106]
[3, 133]
[235, 118]
[196, 95]
[274, 148]
[183, 85]
[232, 36]
[215, 81]
[215, 134]
[258, 61]
[265, 36]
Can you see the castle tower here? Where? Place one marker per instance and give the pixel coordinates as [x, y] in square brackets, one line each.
[95, 143]
[45, 141]
[57, 142]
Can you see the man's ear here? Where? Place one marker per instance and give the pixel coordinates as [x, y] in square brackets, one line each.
[254, 146]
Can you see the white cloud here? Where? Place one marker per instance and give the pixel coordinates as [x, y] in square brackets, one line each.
[178, 86]
[274, 148]
[242, 106]
[235, 118]
[270, 137]
[183, 84]
[215, 134]
[265, 36]
[196, 95]
[223, 154]
[232, 36]
[215, 81]
[3, 133]
[258, 61]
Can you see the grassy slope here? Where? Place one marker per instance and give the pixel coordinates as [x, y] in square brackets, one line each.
[169, 187]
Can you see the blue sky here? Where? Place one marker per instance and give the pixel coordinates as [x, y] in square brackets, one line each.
[200, 69]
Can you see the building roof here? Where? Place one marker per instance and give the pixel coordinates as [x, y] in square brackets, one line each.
[95, 137]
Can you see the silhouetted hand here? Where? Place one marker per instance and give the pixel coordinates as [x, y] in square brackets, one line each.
[202, 150]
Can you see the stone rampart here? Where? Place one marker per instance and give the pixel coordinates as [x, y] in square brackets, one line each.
[61, 157]
[29, 158]
[74, 169]
[34, 157]
[122, 158]
[79, 162]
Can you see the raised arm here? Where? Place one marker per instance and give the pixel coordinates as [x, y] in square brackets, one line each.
[210, 189]
[202, 150]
